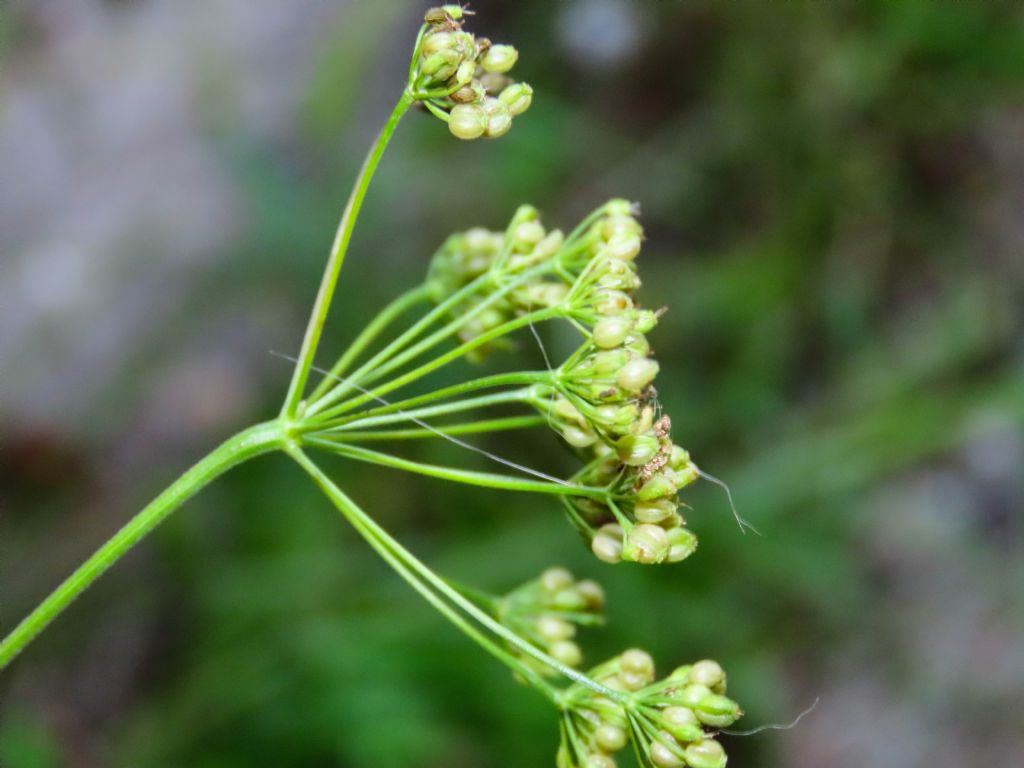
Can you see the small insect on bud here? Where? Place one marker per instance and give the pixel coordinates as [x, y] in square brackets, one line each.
[610, 737]
[611, 331]
[661, 755]
[500, 58]
[607, 543]
[436, 16]
[707, 672]
[705, 754]
[682, 723]
[637, 374]
[682, 543]
[517, 97]
[499, 119]
[467, 121]
[555, 579]
[646, 544]
[592, 594]
[566, 652]
[551, 629]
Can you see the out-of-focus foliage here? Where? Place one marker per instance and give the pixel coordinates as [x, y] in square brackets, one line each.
[834, 200]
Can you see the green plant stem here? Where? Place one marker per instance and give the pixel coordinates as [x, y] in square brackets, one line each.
[465, 476]
[442, 409]
[366, 337]
[407, 567]
[318, 317]
[247, 444]
[441, 431]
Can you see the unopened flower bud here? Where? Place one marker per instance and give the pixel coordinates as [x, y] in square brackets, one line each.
[568, 599]
[467, 121]
[441, 65]
[609, 302]
[578, 437]
[551, 629]
[660, 485]
[607, 543]
[555, 579]
[661, 755]
[682, 544]
[624, 246]
[592, 594]
[654, 511]
[692, 694]
[705, 754]
[646, 544]
[528, 233]
[620, 225]
[637, 450]
[517, 97]
[597, 760]
[636, 375]
[566, 652]
[637, 661]
[682, 723]
[610, 738]
[707, 672]
[645, 320]
[717, 711]
[500, 58]
[437, 42]
[611, 331]
[499, 119]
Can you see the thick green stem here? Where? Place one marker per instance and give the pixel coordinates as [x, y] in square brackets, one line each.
[318, 317]
[252, 442]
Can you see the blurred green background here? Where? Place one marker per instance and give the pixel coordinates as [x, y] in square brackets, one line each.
[833, 195]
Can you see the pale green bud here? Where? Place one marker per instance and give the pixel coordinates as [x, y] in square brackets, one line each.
[597, 760]
[707, 672]
[607, 543]
[705, 754]
[467, 121]
[637, 450]
[661, 755]
[528, 233]
[517, 97]
[636, 375]
[645, 321]
[611, 302]
[638, 662]
[692, 694]
[610, 738]
[624, 246]
[611, 331]
[606, 362]
[717, 711]
[646, 544]
[620, 207]
[551, 629]
[568, 599]
[637, 344]
[499, 119]
[578, 437]
[593, 594]
[654, 511]
[682, 544]
[620, 225]
[441, 65]
[682, 723]
[566, 652]
[660, 485]
[437, 42]
[555, 579]
[500, 58]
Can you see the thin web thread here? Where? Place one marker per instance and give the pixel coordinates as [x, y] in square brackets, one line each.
[743, 523]
[776, 726]
[444, 435]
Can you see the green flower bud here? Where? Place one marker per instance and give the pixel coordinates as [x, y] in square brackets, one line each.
[609, 302]
[660, 485]
[467, 121]
[607, 543]
[661, 755]
[517, 97]
[564, 409]
[454, 11]
[598, 760]
[681, 673]
[528, 233]
[551, 629]
[682, 543]
[637, 450]
[682, 723]
[441, 65]
[578, 437]
[692, 694]
[645, 321]
[593, 594]
[705, 754]
[566, 652]
[707, 672]
[437, 42]
[607, 361]
[619, 225]
[646, 544]
[568, 599]
[637, 661]
[610, 737]
[654, 512]
[555, 579]
[464, 73]
[499, 119]
[637, 344]
[500, 58]
[620, 207]
[717, 711]
[618, 418]
[624, 246]
[611, 331]
[636, 375]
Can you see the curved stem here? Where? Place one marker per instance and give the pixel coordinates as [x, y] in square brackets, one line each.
[247, 444]
[366, 337]
[318, 317]
[441, 431]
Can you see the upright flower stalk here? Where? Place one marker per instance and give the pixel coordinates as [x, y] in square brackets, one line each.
[482, 288]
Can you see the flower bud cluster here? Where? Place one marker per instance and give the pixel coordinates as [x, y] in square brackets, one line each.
[462, 79]
[547, 611]
[672, 719]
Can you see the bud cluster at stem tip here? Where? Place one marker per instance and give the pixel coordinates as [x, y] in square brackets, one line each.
[462, 78]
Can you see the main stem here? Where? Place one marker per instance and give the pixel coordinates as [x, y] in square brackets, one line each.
[318, 317]
[247, 444]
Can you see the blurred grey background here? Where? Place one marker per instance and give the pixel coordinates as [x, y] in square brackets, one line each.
[834, 201]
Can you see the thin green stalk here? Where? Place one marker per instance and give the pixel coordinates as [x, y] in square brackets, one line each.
[406, 565]
[366, 337]
[247, 444]
[439, 432]
[354, 513]
[318, 317]
[466, 476]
